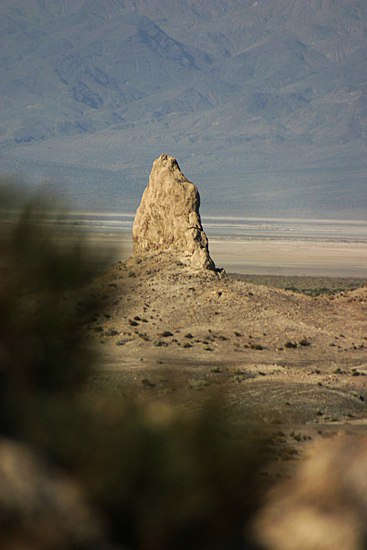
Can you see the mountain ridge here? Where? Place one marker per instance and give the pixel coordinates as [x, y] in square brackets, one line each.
[220, 85]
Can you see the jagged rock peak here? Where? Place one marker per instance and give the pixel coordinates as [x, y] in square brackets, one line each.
[168, 216]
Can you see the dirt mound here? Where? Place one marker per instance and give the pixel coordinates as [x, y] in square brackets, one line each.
[280, 356]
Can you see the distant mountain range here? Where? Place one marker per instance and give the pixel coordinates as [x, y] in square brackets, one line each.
[264, 103]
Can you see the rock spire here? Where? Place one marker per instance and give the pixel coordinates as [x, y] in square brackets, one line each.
[168, 216]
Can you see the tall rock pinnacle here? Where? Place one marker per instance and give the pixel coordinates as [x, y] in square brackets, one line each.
[168, 216]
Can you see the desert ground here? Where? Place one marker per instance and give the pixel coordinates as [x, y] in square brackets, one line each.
[277, 355]
[283, 362]
[291, 257]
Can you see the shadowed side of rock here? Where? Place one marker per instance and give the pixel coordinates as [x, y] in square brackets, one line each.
[168, 216]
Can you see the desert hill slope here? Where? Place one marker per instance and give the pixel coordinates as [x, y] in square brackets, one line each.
[167, 329]
[268, 98]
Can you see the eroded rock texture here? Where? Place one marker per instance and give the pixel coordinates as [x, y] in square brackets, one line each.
[168, 215]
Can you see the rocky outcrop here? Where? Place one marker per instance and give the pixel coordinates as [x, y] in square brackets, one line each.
[168, 216]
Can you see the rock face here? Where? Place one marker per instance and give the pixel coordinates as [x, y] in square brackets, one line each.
[168, 216]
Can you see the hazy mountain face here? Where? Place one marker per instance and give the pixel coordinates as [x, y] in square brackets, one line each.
[263, 103]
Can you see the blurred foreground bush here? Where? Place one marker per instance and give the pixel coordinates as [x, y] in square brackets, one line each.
[41, 353]
[159, 478]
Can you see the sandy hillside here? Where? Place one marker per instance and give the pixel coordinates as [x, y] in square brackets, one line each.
[279, 356]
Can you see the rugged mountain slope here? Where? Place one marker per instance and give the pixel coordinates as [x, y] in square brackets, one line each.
[257, 89]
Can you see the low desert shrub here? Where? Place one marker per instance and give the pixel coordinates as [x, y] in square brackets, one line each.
[290, 345]
[304, 342]
[166, 334]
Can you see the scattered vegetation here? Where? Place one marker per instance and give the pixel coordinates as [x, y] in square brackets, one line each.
[166, 334]
[162, 480]
[214, 369]
[198, 383]
[310, 286]
[111, 332]
[291, 345]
